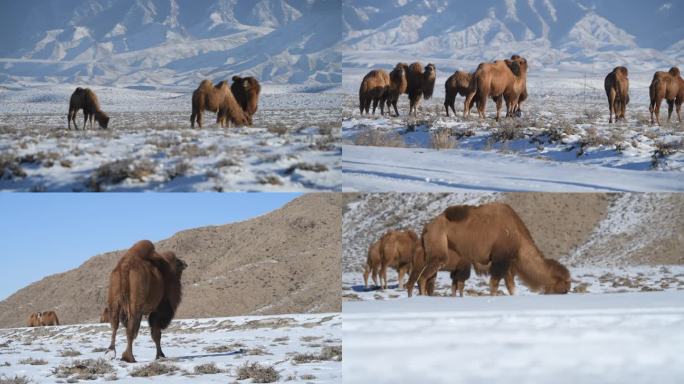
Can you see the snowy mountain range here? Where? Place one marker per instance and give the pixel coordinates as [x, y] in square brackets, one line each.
[158, 43]
[547, 31]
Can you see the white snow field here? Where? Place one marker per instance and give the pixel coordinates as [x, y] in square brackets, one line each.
[591, 338]
[570, 47]
[299, 347]
[294, 143]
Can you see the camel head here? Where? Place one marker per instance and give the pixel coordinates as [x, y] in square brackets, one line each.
[102, 119]
[560, 277]
[430, 68]
[674, 71]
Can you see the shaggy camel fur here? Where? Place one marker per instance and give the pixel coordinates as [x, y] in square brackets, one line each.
[49, 318]
[86, 100]
[373, 89]
[500, 80]
[34, 320]
[396, 251]
[490, 234]
[144, 282]
[373, 263]
[398, 86]
[456, 84]
[617, 91]
[246, 91]
[216, 98]
[669, 86]
[457, 266]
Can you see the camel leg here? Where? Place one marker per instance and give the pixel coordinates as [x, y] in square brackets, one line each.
[114, 322]
[375, 105]
[156, 336]
[509, 279]
[383, 276]
[670, 107]
[454, 287]
[132, 329]
[430, 285]
[499, 102]
[611, 105]
[678, 104]
[85, 120]
[400, 276]
[461, 286]
[199, 119]
[446, 106]
[193, 115]
[493, 286]
[656, 110]
[366, 272]
[376, 273]
[482, 106]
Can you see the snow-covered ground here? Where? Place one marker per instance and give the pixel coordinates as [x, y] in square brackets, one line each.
[300, 347]
[294, 144]
[563, 142]
[592, 338]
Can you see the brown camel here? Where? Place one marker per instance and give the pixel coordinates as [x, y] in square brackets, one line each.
[373, 263]
[34, 320]
[669, 86]
[457, 266]
[500, 80]
[396, 251]
[246, 91]
[420, 83]
[617, 91]
[104, 317]
[491, 234]
[523, 92]
[144, 282]
[49, 318]
[216, 98]
[456, 84]
[397, 86]
[373, 89]
[86, 100]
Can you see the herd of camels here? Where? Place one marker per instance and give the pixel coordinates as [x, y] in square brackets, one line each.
[144, 282]
[490, 238]
[502, 80]
[233, 104]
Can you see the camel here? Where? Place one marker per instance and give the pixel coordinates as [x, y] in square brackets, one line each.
[491, 234]
[34, 320]
[144, 282]
[523, 92]
[500, 80]
[216, 98]
[397, 86]
[457, 266]
[396, 251]
[246, 91]
[456, 84]
[373, 263]
[86, 100]
[420, 83]
[49, 318]
[669, 86]
[373, 89]
[104, 317]
[617, 91]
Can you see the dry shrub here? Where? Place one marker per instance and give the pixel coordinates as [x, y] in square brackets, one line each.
[257, 372]
[325, 143]
[180, 169]
[69, 352]
[32, 361]
[316, 167]
[665, 149]
[14, 380]
[508, 129]
[442, 139]
[207, 369]
[330, 352]
[224, 348]
[270, 179]
[377, 138]
[88, 369]
[279, 129]
[10, 168]
[154, 369]
[119, 170]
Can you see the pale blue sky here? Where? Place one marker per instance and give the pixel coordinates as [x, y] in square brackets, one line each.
[43, 234]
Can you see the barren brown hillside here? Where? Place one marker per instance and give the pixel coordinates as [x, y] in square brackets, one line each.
[287, 261]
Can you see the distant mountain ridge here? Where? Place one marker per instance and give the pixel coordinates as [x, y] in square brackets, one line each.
[170, 42]
[549, 31]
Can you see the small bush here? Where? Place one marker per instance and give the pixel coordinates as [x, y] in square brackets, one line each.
[224, 348]
[154, 369]
[180, 169]
[302, 358]
[69, 353]
[377, 138]
[307, 376]
[332, 352]
[277, 129]
[10, 168]
[207, 369]
[507, 130]
[270, 179]
[306, 167]
[88, 369]
[442, 139]
[14, 380]
[32, 361]
[258, 373]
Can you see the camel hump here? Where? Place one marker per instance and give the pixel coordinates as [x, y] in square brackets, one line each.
[412, 235]
[457, 212]
[206, 83]
[143, 249]
[674, 71]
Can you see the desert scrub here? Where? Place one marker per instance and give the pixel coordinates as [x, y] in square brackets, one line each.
[257, 372]
[508, 129]
[316, 167]
[207, 369]
[10, 168]
[224, 348]
[377, 138]
[442, 139]
[279, 129]
[154, 369]
[69, 352]
[32, 361]
[117, 171]
[180, 169]
[16, 379]
[331, 352]
[88, 369]
[269, 179]
[664, 149]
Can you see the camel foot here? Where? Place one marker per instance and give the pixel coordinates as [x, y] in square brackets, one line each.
[128, 357]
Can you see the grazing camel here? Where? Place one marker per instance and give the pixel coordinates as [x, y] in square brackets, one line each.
[669, 86]
[617, 91]
[86, 100]
[216, 98]
[500, 80]
[396, 251]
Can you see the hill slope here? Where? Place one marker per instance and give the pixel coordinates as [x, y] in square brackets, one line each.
[287, 261]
